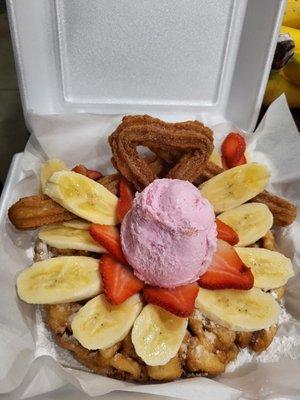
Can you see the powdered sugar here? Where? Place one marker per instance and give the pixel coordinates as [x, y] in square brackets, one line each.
[282, 346]
[210, 336]
[41, 251]
[245, 356]
[200, 317]
[183, 350]
[274, 294]
[284, 316]
[199, 351]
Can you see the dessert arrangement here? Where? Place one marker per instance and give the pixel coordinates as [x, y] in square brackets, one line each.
[165, 269]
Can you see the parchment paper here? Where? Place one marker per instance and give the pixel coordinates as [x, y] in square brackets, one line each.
[30, 362]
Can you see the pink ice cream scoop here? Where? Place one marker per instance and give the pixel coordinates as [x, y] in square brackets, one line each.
[169, 235]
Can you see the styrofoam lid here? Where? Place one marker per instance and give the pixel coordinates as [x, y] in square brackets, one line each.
[206, 57]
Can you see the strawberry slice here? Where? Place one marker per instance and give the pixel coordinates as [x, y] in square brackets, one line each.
[225, 232]
[80, 169]
[95, 175]
[179, 301]
[109, 237]
[226, 270]
[118, 280]
[233, 149]
[125, 200]
[241, 161]
[90, 173]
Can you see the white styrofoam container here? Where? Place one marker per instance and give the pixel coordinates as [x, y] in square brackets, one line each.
[209, 58]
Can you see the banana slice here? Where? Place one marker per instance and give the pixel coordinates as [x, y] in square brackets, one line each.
[83, 197]
[250, 221]
[235, 186]
[60, 280]
[270, 268]
[215, 157]
[99, 325]
[48, 168]
[239, 310]
[62, 237]
[157, 335]
[77, 224]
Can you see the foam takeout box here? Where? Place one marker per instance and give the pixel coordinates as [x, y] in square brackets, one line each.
[208, 58]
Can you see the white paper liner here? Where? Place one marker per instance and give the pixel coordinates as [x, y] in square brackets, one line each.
[32, 364]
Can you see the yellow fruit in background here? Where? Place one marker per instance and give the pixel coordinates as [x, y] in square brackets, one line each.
[294, 34]
[277, 85]
[291, 70]
[292, 14]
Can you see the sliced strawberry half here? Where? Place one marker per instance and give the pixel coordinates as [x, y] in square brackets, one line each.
[95, 175]
[241, 161]
[226, 270]
[179, 301]
[125, 200]
[233, 149]
[109, 237]
[118, 280]
[225, 232]
[81, 169]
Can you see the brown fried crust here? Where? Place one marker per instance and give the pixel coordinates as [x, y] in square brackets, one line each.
[214, 348]
[206, 349]
[201, 359]
[111, 182]
[91, 359]
[68, 252]
[192, 138]
[58, 316]
[35, 211]
[268, 241]
[157, 164]
[211, 169]
[261, 340]
[168, 372]
[128, 349]
[243, 339]
[279, 292]
[283, 211]
[207, 352]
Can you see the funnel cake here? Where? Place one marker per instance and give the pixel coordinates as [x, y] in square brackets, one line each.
[196, 338]
[219, 345]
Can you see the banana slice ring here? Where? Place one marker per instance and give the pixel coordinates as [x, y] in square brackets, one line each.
[83, 197]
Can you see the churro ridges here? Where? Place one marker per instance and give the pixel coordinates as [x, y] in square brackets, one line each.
[35, 211]
[191, 138]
